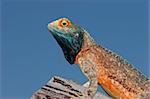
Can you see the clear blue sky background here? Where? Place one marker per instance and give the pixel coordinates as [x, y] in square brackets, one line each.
[31, 56]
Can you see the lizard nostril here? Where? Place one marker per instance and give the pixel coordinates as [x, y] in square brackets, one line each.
[51, 23]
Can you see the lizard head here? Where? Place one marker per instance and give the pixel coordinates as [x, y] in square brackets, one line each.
[69, 36]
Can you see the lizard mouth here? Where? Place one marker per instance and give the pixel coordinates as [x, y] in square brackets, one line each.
[62, 41]
[52, 30]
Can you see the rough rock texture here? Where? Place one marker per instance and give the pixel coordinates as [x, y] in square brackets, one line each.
[59, 88]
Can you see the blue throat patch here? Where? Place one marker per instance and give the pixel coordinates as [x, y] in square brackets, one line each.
[70, 44]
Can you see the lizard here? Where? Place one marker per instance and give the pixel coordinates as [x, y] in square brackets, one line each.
[118, 78]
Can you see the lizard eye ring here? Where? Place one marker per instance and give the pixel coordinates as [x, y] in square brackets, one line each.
[64, 23]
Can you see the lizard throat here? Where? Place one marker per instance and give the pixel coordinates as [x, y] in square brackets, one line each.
[70, 49]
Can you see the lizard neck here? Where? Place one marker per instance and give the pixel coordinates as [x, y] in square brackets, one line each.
[87, 43]
[87, 40]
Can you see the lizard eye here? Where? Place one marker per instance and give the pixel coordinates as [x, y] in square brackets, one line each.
[64, 23]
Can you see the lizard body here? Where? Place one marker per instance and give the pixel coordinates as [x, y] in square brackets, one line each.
[116, 76]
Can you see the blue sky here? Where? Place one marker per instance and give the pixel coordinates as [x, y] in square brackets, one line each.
[31, 56]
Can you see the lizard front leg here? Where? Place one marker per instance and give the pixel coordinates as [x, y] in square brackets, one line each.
[89, 70]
